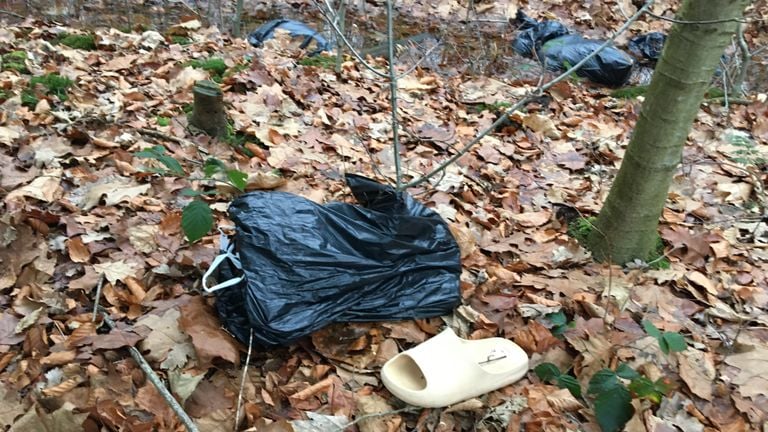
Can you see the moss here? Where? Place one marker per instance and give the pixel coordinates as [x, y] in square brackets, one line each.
[28, 98]
[181, 40]
[54, 84]
[581, 228]
[3, 95]
[15, 60]
[629, 92]
[493, 107]
[188, 108]
[715, 92]
[85, 42]
[163, 121]
[214, 66]
[235, 69]
[656, 259]
[321, 61]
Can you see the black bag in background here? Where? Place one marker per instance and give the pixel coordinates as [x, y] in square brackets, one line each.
[295, 28]
[306, 265]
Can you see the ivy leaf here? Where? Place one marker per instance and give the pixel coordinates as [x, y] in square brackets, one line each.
[212, 166]
[675, 341]
[547, 371]
[651, 329]
[625, 371]
[196, 220]
[603, 381]
[570, 383]
[238, 179]
[613, 408]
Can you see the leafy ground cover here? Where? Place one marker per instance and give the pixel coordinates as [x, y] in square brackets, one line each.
[684, 344]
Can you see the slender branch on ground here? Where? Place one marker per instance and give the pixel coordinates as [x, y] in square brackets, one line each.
[331, 21]
[11, 13]
[725, 87]
[157, 134]
[677, 21]
[242, 381]
[185, 419]
[98, 298]
[374, 415]
[746, 58]
[393, 95]
[538, 92]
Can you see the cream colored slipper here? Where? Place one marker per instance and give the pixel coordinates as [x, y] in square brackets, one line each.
[447, 369]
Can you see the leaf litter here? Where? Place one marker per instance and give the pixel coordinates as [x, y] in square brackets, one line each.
[78, 204]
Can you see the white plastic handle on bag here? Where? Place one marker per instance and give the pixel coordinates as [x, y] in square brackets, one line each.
[227, 248]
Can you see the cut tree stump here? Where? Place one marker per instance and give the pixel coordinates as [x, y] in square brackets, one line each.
[208, 113]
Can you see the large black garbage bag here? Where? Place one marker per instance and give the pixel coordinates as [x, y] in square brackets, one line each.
[554, 45]
[295, 28]
[534, 34]
[306, 265]
[647, 46]
[610, 66]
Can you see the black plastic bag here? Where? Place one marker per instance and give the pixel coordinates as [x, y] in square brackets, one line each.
[295, 28]
[534, 34]
[647, 46]
[610, 66]
[554, 45]
[306, 265]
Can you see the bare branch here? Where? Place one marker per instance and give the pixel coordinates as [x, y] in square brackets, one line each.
[677, 21]
[393, 95]
[528, 98]
[242, 381]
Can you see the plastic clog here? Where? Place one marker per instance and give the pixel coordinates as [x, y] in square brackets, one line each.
[447, 369]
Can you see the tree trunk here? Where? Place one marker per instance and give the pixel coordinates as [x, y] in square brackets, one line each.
[626, 228]
[208, 113]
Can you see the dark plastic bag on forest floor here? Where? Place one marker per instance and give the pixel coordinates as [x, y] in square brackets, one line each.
[647, 46]
[295, 266]
[295, 28]
[554, 45]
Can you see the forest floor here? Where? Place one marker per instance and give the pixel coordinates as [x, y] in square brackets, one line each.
[79, 205]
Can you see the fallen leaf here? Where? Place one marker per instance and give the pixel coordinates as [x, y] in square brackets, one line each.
[116, 271]
[533, 219]
[45, 188]
[697, 369]
[61, 420]
[201, 323]
[753, 377]
[166, 343]
[78, 252]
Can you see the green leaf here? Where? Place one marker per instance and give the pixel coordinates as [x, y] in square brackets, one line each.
[172, 164]
[675, 341]
[547, 371]
[151, 152]
[651, 329]
[190, 192]
[238, 179]
[613, 409]
[642, 387]
[602, 381]
[570, 383]
[212, 166]
[158, 153]
[196, 220]
[557, 319]
[625, 371]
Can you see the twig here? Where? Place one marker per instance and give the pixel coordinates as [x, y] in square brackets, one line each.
[155, 380]
[98, 298]
[13, 14]
[528, 98]
[156, 134]
[746, 58]
[373, 415]
[341, 17]
[242, 381]
[344, 39]
[393, 96]
[420, 61]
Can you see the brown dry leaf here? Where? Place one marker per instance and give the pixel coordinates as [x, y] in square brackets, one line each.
[120, 62]
[201, 323]
[59, 358]
[116, 191]
[699, 279]
[533, 219]
[264, 181]
[166, 343]
[142, 237]
[8, 135]
[61, 420]
[369, 405]
[543, 124]
[753, 377]
[563, 401]
[116, 271]
[115, 339]
[8, 324]
[697, 369]
[10, 406]
[78, 252]
[45, 188]
[406, 330]
[63, 387]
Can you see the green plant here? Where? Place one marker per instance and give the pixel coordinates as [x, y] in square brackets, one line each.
[747, 152]
[3, 95]
[85, 42]
[54, 84]
[15, 60]
[321, 61]
[196, 217]
[668, 341]
[559, 323]
[163, 121]
[611, 397]
[28, 98]
[214, 66]
[181, 40]
[581, 228]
